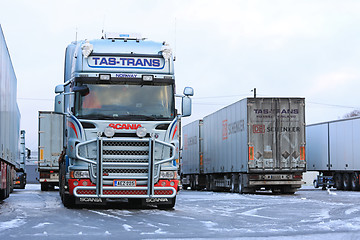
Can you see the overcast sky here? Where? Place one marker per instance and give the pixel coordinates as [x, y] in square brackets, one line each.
[224, 49]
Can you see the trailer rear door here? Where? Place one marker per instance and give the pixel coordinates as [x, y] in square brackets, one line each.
[50, 139]
[276, 134]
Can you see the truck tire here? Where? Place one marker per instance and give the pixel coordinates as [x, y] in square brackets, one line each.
[339, 181]
[347, 181]
[192, 182]
[208, 183]
[2, 194]
[68, 201]
[316, 184]
[211, 183]
[234, 182]
[241, 188]
[135, 202]
[44, 187]
[288, 190]
[355, 186]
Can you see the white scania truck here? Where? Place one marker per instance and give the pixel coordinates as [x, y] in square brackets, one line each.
[121, 127]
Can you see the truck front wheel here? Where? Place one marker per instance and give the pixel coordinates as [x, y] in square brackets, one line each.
[168, 206]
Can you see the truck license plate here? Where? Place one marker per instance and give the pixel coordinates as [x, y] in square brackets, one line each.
[124, 183]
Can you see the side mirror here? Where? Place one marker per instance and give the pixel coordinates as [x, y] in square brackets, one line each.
[59, 89]
[83, 90]
[186, 106]
[188, 91]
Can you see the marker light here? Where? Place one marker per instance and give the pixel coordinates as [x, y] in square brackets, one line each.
[87, 48]
[141, 132]
[166, 51]
[109, 132]
[147, 78]
[105, 77]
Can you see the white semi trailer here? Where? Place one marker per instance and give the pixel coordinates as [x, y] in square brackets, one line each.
[332, 150]
[9, 122]
[253, 144]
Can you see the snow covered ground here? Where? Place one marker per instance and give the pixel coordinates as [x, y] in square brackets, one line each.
[309, 214]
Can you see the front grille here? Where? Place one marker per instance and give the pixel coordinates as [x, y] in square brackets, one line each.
[125, 152]
[128, 143]
[126, 171]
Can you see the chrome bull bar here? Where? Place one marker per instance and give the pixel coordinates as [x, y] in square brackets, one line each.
[152, 162]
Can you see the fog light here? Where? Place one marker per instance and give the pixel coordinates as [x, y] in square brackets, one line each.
[76, 183]
[163, 184]
[85, 183]
[172, 184]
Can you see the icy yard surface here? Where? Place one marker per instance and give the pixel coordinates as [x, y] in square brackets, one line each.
[309, 214]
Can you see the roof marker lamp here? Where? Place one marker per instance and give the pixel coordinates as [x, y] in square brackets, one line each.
[109, 132]
[147, 78]
[141, 132]
[87, 48]
[166, 51]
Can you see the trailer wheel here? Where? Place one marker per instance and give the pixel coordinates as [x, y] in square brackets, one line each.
[208, 183]
[339, 181]
[234, 188]
[44, 187]
[355, 186]
[287, 190]
[316, 184]
[346, 181]
[240, 185]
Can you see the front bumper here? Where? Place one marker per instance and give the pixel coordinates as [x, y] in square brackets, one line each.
[163, 189]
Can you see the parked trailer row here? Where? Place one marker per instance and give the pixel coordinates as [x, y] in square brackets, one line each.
[253, 144]
[9, 122]
[332, 150]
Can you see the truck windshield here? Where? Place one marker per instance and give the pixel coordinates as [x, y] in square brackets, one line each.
[126, 102]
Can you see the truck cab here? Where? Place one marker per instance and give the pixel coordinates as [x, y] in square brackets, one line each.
[121, 128]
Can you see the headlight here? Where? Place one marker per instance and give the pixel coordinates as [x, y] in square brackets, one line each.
[109, 132]
[79, 174]
[141, 132]
[168, 175]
